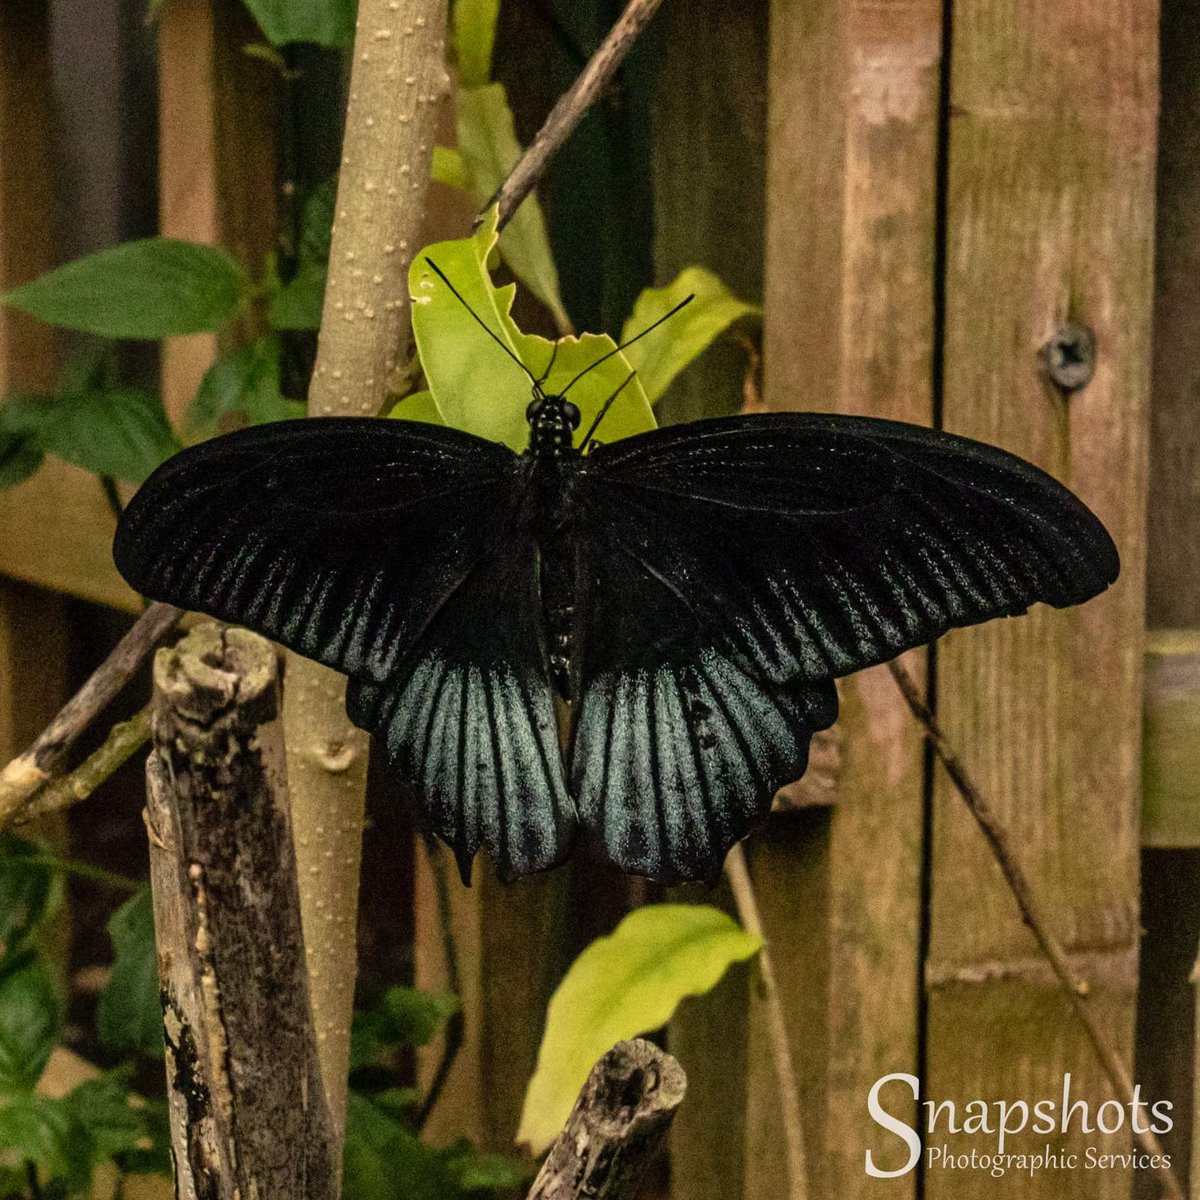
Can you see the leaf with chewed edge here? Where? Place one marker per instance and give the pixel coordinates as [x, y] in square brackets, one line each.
[474, 384]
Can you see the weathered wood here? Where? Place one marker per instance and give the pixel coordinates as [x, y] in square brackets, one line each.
[249, 1116]
[1050, 215]
[849, 326]
[1171, 896]
[1171, 740]
[620, 1119]
[216, 157]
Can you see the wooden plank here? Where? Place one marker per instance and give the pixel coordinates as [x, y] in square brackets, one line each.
[1171, 897]
[849, 297]
[216, 157]
[1050, 216]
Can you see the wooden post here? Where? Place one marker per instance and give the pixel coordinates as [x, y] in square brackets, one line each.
[249, 1116]
[1171, 859]
[33, 645]
[1049, 221]
[853, 97]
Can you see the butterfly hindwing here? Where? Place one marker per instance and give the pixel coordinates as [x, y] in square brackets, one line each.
[340, 538]
[679, 744]
[469, 720]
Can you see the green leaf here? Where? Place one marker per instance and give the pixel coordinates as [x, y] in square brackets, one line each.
[154, 288]
[623, 985]
[487, 141]
[450, 168]
[25, 893]
[385, 1161]
[688, 334]
[474, 37]
[40, 1130]
[102, 1110]
[129, 1016]
[474, 384]
[245, 381]
[298, 304]
[418, 406]
[403, 1017]
[479, 1171]
[122, 433]
[322, 22]
[28, 1024]
[19, 459]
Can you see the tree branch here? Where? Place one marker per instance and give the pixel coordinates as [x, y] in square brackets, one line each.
[619, 1121]
[1000, 842]
[26, 773]
[573, 103]
[781, 1051]
[124, 738]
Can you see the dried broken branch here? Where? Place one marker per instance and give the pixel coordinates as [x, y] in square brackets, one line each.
[619, 1121]
[248, 1113]
[571, 106]
[1035, 917]
[26, 773]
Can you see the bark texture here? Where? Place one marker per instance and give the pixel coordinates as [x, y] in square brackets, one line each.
[617, 1125]
[248, 1113]
[397, 76]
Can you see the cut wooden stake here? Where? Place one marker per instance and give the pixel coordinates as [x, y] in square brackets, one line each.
[248, 1113]
[617, 1125]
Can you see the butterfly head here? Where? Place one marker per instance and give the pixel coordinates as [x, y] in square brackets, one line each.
[552, 424]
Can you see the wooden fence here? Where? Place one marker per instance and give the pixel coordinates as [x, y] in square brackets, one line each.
[924, 194]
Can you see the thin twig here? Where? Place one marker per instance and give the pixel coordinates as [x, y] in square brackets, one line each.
[738, 875]
[1034, 916]
[571, 106]
[124, 739]
[453, 1038]
[26, 773]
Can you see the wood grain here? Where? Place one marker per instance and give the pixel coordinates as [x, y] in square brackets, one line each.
[1050, 203]
[849, 298]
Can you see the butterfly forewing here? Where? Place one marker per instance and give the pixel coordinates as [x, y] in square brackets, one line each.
[340, 538]
[824, 544]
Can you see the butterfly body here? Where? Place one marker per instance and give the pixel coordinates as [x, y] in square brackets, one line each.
[693, 592]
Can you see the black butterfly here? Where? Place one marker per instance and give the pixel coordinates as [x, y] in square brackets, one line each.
[692, 591]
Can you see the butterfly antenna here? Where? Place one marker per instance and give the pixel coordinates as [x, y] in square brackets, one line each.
[636, 337]
[587, 437]
[549, 366]
[537, 383]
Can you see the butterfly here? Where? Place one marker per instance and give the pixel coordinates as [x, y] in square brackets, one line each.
[692, 592]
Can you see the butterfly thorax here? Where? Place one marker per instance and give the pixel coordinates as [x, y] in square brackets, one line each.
[552, 424]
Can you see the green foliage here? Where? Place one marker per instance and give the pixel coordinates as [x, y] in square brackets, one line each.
[298, 304]
[322, 22]
[450, 168]
[474, 23]
[28, 893]
[29, 1017]
[121, 432]
[128, 1016]
[245, 381]
[623, 985]
[487, 141]
[475, 386]
[153, 288]
[404, 1017]
[715, 308]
